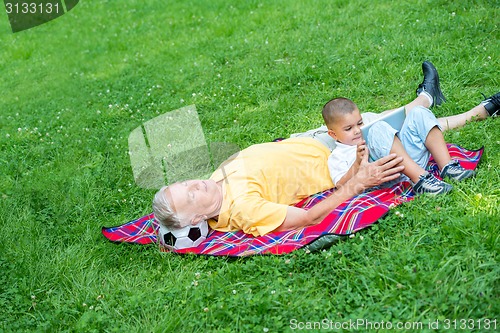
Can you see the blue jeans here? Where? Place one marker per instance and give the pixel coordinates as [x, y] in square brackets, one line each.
[418, 123]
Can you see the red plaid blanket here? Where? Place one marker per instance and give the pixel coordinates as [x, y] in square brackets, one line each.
[350, 217]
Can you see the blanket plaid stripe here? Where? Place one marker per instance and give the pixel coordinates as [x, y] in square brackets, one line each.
[350, 217]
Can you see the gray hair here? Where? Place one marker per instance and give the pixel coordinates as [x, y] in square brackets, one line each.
[163, 212]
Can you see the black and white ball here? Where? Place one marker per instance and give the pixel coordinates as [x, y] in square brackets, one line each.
[190, 236]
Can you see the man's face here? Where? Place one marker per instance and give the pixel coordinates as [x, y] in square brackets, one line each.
[194, 200]
[347, 129]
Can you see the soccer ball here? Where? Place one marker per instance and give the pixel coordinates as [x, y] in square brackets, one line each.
[190, 236]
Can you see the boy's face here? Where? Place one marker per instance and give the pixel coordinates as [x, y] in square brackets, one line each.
[347, 129]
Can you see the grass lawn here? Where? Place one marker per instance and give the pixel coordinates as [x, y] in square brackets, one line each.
[74, 88]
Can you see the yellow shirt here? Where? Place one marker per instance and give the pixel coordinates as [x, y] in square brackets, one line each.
[261, 181]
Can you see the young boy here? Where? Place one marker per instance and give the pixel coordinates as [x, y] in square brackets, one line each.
[420, 137]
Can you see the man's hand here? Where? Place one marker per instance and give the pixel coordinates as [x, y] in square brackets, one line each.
[376, 173]
[368, 175]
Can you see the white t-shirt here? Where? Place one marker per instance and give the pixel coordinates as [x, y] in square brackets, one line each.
[340, 161]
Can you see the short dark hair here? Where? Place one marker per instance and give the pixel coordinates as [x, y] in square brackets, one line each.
[335, 108]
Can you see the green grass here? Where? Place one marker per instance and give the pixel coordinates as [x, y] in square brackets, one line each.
[74, 88]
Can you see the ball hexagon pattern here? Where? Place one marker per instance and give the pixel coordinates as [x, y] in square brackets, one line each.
[189, 236]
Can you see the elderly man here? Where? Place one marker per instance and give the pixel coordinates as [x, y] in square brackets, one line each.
[254, 189]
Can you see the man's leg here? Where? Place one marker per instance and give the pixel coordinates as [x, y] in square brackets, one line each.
[459, 120]
[428, 92]
[487, 108]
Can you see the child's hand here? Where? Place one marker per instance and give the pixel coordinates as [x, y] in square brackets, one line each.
[360, 152]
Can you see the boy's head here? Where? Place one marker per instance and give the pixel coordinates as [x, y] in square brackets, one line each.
[343, 119]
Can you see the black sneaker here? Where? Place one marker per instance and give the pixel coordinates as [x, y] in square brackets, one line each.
[455, 171]
[430, 84]
[492, 104]
[430, 184]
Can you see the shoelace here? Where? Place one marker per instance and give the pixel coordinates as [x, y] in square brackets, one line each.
[495, 99]
[433, 180]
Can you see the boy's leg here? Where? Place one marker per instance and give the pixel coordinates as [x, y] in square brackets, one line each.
[418, 124]
[437, 147]
[382, 141]
[412, 170]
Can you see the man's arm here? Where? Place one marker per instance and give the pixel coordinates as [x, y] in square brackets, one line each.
[368, 175]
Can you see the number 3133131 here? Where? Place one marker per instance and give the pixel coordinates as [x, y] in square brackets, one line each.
[32, 8]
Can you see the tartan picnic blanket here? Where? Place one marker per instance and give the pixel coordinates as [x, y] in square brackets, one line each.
[353, 215]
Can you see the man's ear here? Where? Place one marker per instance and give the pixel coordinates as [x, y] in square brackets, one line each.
[197, 219]
[332, 134]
